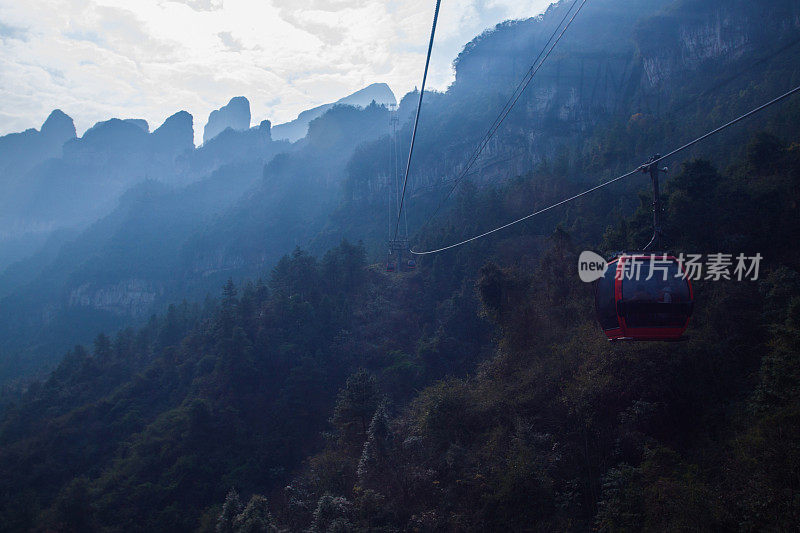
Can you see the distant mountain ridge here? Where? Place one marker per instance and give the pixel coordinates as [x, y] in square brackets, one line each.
[53, 180]
[167, 240]
[19, 152]
[296, 129]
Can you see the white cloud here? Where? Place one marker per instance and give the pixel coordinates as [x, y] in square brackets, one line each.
[150, 58]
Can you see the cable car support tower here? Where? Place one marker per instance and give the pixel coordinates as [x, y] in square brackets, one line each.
[398, 244]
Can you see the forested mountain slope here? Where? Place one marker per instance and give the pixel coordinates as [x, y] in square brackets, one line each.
[163, 244]
[476, 393]
[555, 428]
[608, 98]
[560, 430]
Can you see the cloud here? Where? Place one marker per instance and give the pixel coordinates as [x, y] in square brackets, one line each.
[231, 43]
[101, 58]
[203, 5]
[11, 32]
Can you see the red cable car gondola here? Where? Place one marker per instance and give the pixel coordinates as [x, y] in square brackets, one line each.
[645, 296]
[632, 307]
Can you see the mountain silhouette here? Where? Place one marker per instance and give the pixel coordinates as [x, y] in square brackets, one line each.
[296, 129]
[19, 152]
[234, 115]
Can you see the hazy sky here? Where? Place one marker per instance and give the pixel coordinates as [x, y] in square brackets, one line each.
[97, 59]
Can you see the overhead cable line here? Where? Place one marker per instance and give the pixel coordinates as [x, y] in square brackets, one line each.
[626, 175]
[729, 124]
[562, 202]
[516, 95]
[518, 90]
[416, 118]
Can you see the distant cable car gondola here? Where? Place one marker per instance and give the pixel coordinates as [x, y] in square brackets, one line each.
[389, 267]
[644, 297]
[412, 265]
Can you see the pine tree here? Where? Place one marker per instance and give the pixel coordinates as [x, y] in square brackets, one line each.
[229, 309]
[255, 518]
[102, 347]
[333, 514]
[374, 464]
[230, 510]
[355, 407]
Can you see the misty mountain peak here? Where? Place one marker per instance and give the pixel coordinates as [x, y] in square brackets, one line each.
[20, 152]
[115, 127]
[181, 119]
[59, 127]
[380, 93]
[234, 115]
[140, 123]
[265, 127]
[176, 131]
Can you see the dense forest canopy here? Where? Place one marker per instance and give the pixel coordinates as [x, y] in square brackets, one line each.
[440, 408]
[314, 391]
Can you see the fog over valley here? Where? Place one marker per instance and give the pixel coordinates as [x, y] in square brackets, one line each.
[254, 278]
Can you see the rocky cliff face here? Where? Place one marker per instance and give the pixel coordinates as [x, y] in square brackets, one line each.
[617, 60]
[171, 141]
[717, 34]
[290, 204]
[234, 115]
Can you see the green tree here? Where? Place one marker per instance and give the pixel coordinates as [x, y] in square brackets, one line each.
[230, 510]
[255, 518]
[332, 515]
[102, 347]
[374, 465]
[229, 309]
[73, 511]
[296, 275]
[355, 406]
[765, 152]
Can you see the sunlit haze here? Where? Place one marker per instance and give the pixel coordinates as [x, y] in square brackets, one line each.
[97, 59]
